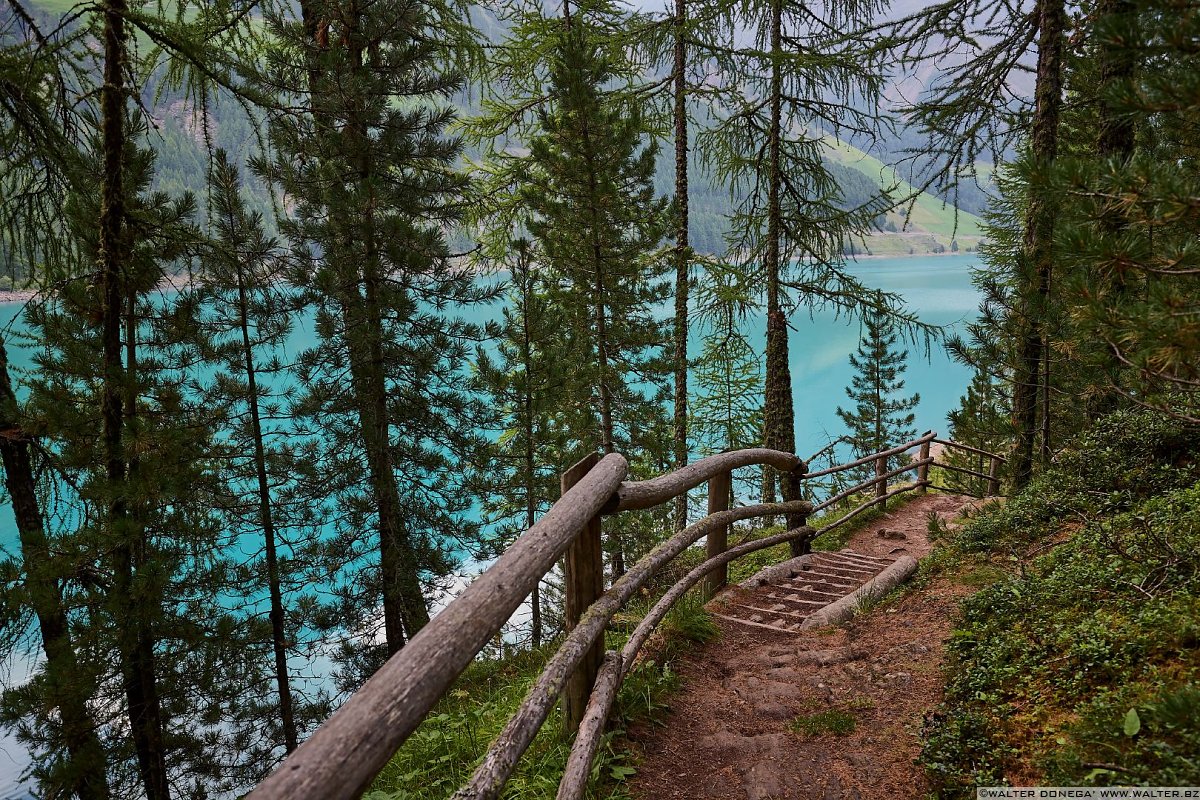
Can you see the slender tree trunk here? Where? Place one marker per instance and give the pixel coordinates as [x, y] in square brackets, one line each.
[146, 592]
[1039, 233]
[1115, 140]
[404, 608]
[778, 414]
[129, 609]
[267, 519]
[535, 599]
[683, 256]
[1046, 395]
[85, 775]
[600, 321]
[1116, 133]
[606, 416]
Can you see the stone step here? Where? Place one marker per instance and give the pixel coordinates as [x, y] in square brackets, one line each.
[783, 604]
[843, 565]
[778, 628]
[778, 612]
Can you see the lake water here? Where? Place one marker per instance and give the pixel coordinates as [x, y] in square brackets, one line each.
[937, 288]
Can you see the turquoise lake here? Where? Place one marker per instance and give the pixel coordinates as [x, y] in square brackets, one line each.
[937, 288]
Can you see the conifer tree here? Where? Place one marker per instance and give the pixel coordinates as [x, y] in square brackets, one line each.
[522, 380]
[794, 86]
[371, 173]
[980, 421]
[727, 408]
[975, 109]
[147, 610]
[1128, 245]
[880, 418]
[244, 318]
[589, 190]
[40, 163]
[125, 451]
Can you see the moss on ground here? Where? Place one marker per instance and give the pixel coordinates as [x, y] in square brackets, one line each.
[1079, 664]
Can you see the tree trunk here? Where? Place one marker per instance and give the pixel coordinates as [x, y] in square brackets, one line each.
[404, 608]
[71, 689]
[1116, 135]
[1115, 140]
[535, 599]
[1039, 234]
[682, 257]
[128, 606]
[778, 415]
[266, 518]
[599, 302]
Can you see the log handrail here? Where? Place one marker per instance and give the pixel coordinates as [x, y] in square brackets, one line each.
[969, 449]
[870, 482]
[656, 491]
[340, 759]
[871, 458]
[522, 726]
[966, 471]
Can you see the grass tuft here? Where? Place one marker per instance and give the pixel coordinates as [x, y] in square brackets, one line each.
[833, 721]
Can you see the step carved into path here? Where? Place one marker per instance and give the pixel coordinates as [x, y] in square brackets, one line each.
[812, 590]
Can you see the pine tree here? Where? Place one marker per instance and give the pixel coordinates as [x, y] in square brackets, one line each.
[521, 379]
[980, 421]
[147, 610]
[727, 408]
[880, 418]
[589, 190]
[370, 171]
[40, 164]
[1128, 248]
[244, 316]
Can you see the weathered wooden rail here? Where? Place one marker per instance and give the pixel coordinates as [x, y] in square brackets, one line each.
[342, 757]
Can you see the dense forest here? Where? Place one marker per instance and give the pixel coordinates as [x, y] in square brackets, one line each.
[221, 533]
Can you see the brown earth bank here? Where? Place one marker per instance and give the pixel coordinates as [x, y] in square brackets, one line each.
[732, 732]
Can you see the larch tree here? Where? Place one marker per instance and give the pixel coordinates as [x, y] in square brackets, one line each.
[977, 109]
[40, 155]
[796, 86]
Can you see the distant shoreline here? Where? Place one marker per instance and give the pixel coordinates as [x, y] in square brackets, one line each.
[871, 256]
[23, 296]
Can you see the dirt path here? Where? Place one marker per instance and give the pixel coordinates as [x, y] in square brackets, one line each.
[731, 730]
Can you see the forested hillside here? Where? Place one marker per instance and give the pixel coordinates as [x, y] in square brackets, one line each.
[327, 302]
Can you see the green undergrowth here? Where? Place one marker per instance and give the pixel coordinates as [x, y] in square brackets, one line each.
[1077, 662]
[443, 752]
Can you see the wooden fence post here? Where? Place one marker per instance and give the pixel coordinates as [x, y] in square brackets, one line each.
[583, 578]
[993, 488]
[798, 547]
[719, 486]
[880, 481]
[923, 470]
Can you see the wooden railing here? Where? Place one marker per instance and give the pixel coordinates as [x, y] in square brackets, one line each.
[342, 757]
